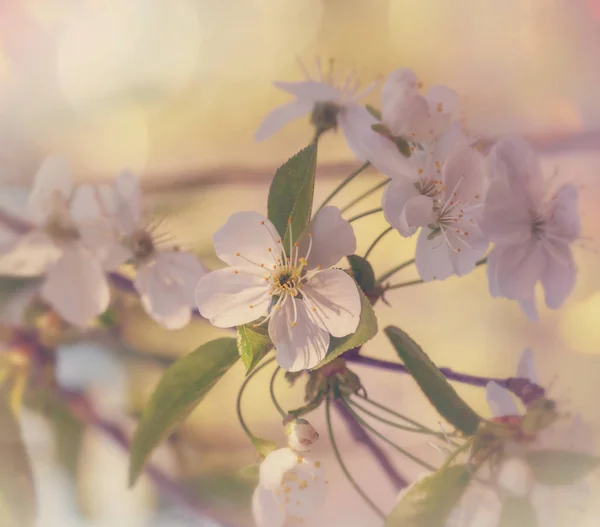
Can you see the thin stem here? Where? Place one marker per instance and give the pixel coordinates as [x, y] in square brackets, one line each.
[390, 411]
[365, 195]
[377, 240]
[342, 185]
[378, 434]
[364, 214]
[404, 284]
[394, 270]
[457, 452]
[238, 403]
[338, 457]
[272, 393]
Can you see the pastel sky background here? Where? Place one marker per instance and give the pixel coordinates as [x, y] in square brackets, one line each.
[175, 90]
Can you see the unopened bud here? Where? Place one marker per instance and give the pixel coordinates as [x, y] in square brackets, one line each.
[301, 435]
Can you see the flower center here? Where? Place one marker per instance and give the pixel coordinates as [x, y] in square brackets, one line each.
[325, 115]
[431, 188]
[142, 244]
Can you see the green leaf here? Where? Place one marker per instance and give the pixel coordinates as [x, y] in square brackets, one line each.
[433, 384]
[363, 272]
[18, 505]
[518, 512]
[183, 385]
[367, 329]
[263, 446]
[291, 193]
[373, 111]
[561, 467]
[429, 501]
[253, 345]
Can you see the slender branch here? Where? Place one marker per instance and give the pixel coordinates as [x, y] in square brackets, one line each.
[342, 185]
[360, 436]
[396, 447]
[238, 403]
[377, 240]
[338, 457]
[394, 270]
[364, 214]
[276, 404]
[365, 195]
[404, 284]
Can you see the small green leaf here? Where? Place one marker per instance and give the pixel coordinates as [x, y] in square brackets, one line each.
[382, 129]
[18, 505]
[561, 467]
[433, 384]
[363, 272]
[183, 385]
[367, 329]
[253, 345]
[518, 512]
[373, 111]
[291, 193]
[249, 472]
[263, 446]
[429, 501]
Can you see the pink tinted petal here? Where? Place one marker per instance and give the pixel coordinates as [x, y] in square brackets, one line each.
[334, 298]
[448, 143]
[51, 188]
[332, 239]
[310, 91]
[465, 175]
[184, 270]
[526, 368]
[129, 204]
[300, 345]
[224, 297]
[564, 221]
[518, 268]
[267, 509]
[529, 307]
[281, 116]
[500, 400]
[355, 122]
[384, 155]
[559, 275]
[432, 257]
[397, 96]
[76, 287]
[395, 197]
[413, 121]
[245, 240]
[443, 107]
[31, 256]
[275, 465]
[464, 261]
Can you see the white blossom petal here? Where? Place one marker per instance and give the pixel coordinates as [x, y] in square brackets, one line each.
[334, 298]
[355, 122]
[51, 189]
[405, 208]
[245, 240]
[398, 91]
[464, 176]
[300, 345]
[275, 465]
[312, 91]
[515, 477]
[267, 509]
[500, 400]
[307, 492]
[517, 268]
[129, 202]
[444, 106]
[32, 255]
[281, 116]
[529, 307]
[526, 368]
[167, 286]
[76, 287]
[559, 275]
[432, 257]
[225, 297]
[332, 239]
[564, 222]
[472, 247]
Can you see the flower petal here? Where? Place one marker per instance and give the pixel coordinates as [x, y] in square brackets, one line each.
[432, 257]
[464, 176]
[52, 188]
[334, 298]
[267, 509]
[559, 274]
[399, 89]
[76, 287]
[464, 261]
[245, 240]
[298, 346]
[129, 202]
[307, 493]
[332, 239]
[500, 400]
[355, 122]
[281, 116]
[32, 255]
[529, 307]
[167, 287]
[405, 208]
[526, 368]
[564, 222]
[275, 465]
[443, 107]
[224, 297]
[310, 91]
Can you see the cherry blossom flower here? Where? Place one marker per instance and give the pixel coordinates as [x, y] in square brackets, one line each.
[331, 104]
[58, 244]
[302, 300]
[291, 488]
[441, 192]
[532, 232]
[513, 477]
[166, 277]
[301, 435]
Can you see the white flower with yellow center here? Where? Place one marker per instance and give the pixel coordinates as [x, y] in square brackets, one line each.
[290, 489]
[302, 301]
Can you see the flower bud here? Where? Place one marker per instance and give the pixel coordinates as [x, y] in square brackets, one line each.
[301, 435]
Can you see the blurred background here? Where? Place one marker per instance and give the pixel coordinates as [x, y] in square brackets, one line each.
[174, 90]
